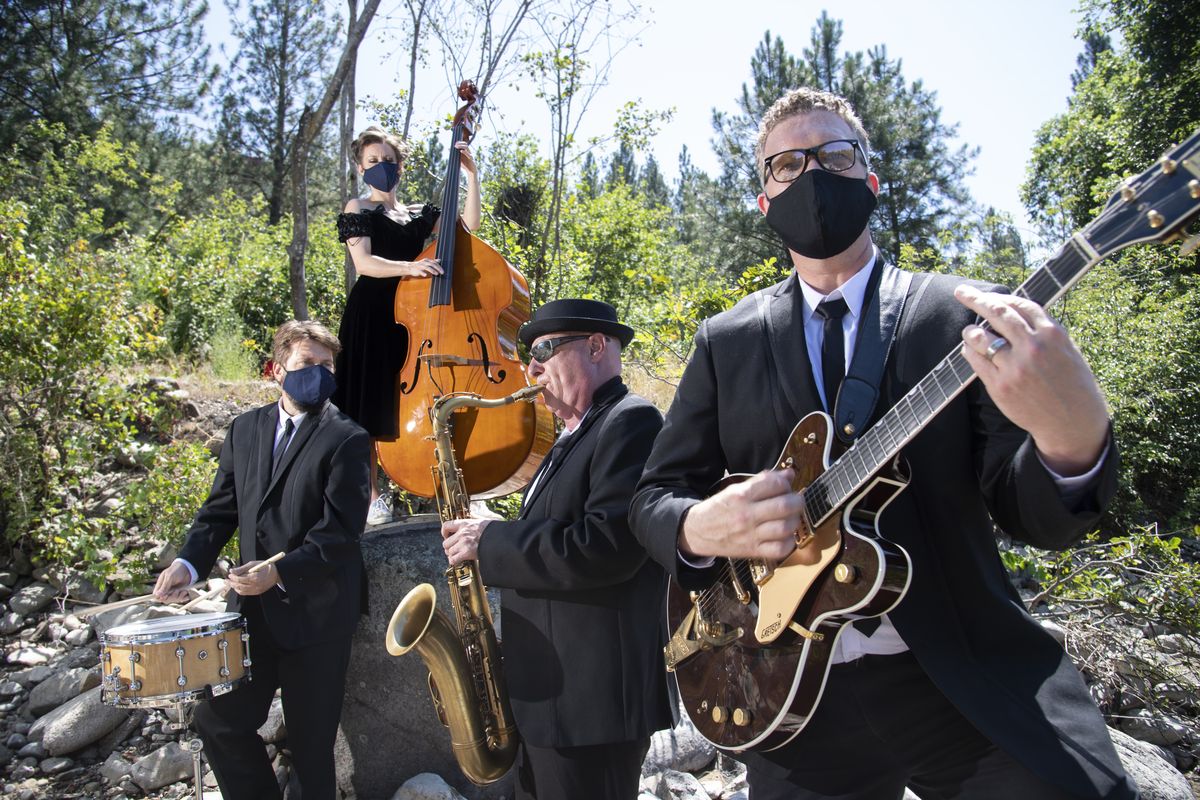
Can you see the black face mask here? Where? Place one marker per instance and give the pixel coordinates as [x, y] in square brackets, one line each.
[821, 213]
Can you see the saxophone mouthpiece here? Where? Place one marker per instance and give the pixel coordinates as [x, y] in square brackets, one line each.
[528, 393]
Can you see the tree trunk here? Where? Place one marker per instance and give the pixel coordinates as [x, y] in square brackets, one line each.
[310, 124]
[279, 158]
[349, 187]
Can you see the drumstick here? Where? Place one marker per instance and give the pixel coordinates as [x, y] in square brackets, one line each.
[225, 587]
[128, 601]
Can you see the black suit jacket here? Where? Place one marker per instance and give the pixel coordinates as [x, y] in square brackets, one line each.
[581, 601]
[313, 508]
[747, 385]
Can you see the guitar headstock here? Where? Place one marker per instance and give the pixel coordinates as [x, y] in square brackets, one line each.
[468, 116]
[1156, 206]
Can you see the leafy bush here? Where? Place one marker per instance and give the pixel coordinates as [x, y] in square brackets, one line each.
[1130, 606]
[225, 274]
[164, 501]
[66, 321]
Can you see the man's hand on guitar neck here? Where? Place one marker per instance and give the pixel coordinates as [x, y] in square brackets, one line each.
[756, 518]
[1038, 380]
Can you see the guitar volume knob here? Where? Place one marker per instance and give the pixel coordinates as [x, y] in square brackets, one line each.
[741, 717]
[844, 573]
[720, 714]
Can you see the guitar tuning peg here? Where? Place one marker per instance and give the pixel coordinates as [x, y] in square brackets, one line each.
[1189, 245]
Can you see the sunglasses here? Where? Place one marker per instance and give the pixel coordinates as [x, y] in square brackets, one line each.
[542, 351]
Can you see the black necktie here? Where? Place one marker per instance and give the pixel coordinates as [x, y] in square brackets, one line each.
[867, 626]
[282, 444]
[554, 454]
[833, 356]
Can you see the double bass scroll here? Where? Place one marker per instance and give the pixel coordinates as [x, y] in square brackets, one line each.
[462, 334]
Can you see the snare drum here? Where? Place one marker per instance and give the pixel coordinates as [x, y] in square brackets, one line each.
[162, 662]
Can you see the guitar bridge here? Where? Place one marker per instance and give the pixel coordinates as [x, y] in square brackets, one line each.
[696, 634]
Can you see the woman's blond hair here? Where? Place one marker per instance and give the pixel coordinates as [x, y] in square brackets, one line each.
[377, 135]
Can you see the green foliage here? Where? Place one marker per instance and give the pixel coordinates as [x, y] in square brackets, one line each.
[65, 183]
[66, 322]
[676, 316]
[995, 254]
[508, 506]
[1140, 575]
[1135, 317]
[617, 249]
[1143, 344]
[164, 500]
[232, 356]
[227, 270]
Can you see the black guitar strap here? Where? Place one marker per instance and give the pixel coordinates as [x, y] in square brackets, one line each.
[876, 333]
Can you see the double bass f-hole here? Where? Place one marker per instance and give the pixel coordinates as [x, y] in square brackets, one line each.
[486, 362]
[407, 386]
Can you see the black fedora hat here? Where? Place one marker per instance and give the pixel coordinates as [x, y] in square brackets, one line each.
[593, 316]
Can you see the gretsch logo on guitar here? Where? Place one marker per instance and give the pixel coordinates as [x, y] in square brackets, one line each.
[751, 653]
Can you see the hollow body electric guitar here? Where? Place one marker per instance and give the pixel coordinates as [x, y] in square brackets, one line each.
[751, 653]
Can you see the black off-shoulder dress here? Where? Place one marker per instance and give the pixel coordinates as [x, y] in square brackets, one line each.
[373, 345]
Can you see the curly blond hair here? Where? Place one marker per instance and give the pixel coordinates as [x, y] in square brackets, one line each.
[802, 101]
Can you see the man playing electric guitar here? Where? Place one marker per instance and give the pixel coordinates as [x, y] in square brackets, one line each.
[956, 691]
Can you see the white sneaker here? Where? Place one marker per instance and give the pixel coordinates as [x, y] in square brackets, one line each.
[380, 513]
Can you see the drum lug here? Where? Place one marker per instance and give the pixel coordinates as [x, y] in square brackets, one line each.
[179, 653]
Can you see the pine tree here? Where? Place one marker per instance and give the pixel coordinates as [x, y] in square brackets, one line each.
[285, 52]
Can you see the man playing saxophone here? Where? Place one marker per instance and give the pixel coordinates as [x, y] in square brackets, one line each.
[582, 657]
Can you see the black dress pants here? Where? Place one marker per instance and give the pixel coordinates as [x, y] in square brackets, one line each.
[312, 680]
[881, 726]
[596, 772]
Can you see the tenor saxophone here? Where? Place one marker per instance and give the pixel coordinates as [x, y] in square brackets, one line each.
[464, 659]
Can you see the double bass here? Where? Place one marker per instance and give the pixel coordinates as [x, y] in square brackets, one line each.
[462, 337]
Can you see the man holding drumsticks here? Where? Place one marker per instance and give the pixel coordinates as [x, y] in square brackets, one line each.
[292, 479]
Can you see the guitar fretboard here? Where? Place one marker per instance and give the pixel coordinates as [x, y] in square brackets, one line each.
[879, 445]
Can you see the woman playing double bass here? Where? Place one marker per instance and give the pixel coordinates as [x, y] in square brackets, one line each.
[383, 237]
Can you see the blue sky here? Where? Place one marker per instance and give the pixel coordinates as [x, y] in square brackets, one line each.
[999, 69]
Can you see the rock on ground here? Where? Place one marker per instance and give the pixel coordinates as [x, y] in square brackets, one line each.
[674, 785]
[681, 748]
[168, 764]
[33, 597]
[77, 723]
[61, 687]
[1156, 778]
[426, 786]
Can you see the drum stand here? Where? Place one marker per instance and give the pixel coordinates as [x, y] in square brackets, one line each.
[179, 718]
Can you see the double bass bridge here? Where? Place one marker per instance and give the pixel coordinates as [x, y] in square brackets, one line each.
[441, 360]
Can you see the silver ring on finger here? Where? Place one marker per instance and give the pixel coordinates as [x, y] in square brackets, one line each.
[998, 344]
